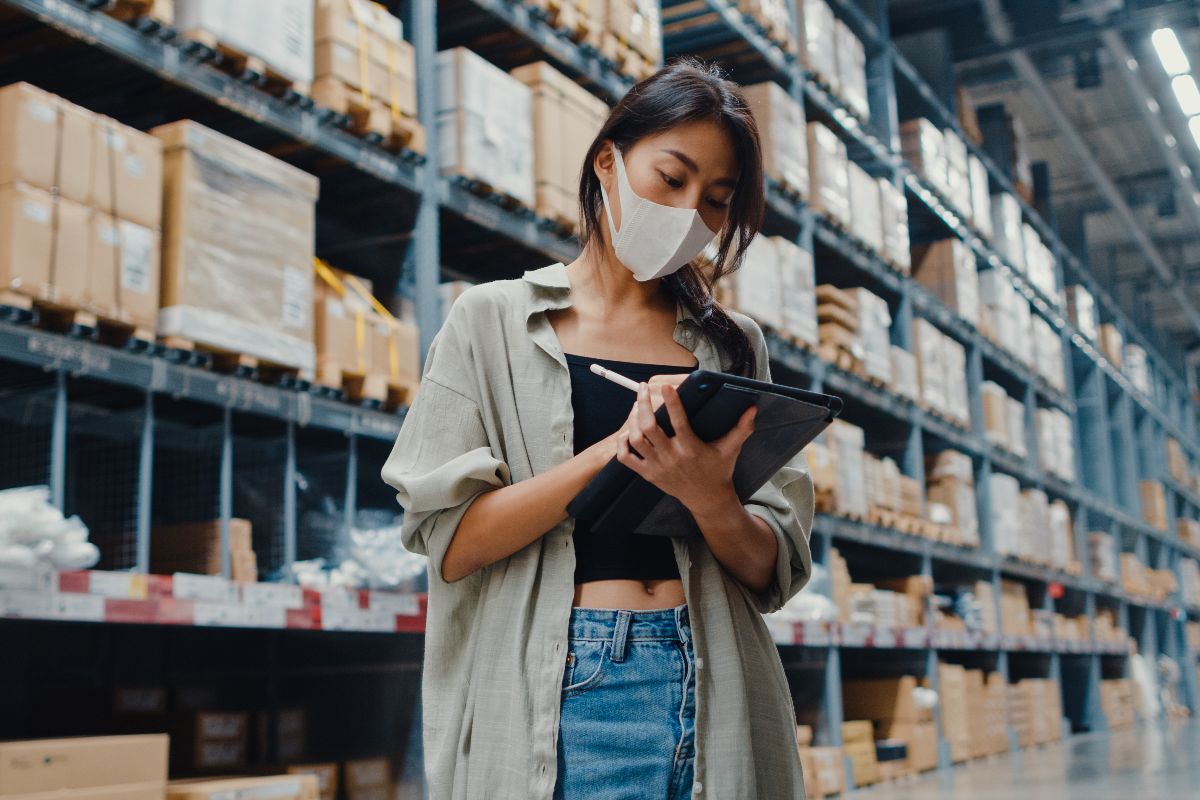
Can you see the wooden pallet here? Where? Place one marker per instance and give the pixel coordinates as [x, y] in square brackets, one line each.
[483, 188]
[160, 13]
[59, 318]
[625, 58]
[778, 33]
[230, 362]
[237, 62]
[370, 118]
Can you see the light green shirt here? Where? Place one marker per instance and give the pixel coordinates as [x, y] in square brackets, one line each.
[494, 408]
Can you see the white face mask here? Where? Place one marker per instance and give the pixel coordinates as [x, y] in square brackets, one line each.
[654, 240]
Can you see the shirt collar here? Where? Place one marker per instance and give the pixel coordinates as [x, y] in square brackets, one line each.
[554, 278]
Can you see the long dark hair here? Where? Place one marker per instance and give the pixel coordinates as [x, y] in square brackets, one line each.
[688, 90]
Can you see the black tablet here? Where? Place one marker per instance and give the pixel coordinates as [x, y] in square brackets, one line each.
[618, 499]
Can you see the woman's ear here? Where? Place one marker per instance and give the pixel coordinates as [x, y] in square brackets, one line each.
[604, 165]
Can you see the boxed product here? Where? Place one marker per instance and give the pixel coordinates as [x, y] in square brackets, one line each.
[27, 240]
[1177, 464]
[238, 252]
[1082, 309]
[368, 779]
[956, 724]
[894, 218]
[904, 373]
[1104, 555]
[32, 130]
[846, 442]
[852, 70]
[485, 124]
[1137, 367]
[127, 173]
[995, 414]
[758, 284]
[958, 401]
[874, 333]
[798, 290]
[1112, 344]
[1007, 234]
[638, 23]
[1014, 609]
[361, 45]
[858, 738]
[1048, 353]
[1016, 427]
[1005, 493]
[866, 220]
[829, 174]
[981, 199]
[958, 189]
[829, 768]
[566, 118]
[195, 547]
[280, 32]
[96, 768]
[123, 269]
[1061, 535]
[819, 40]
[947, 269]
[927, 348]
[952, 502]
[884, 700]
[1154, 504]
[281, 787]
[923, 146]
[213, 741]
[780, 119]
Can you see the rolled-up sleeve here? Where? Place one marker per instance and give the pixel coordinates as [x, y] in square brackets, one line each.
[441, 461]
[785, 503]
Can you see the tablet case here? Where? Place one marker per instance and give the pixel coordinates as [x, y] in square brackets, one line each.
[617, 499]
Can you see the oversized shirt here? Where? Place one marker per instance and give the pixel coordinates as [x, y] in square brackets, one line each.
[494, 407]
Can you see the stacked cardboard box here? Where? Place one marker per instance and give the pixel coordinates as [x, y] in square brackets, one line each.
[1116, 700]
[1005, 493]
[280, 787]
[950, 491]
[1177, 463]
[952, 696]
[80, 209]
[985, 598]
[987, 704]
[918, 589]
[1107, 629]
[883, 607]
[1104, 556]
[889, 704]
[278, 32]
[1033, 544]
[1014, 609]
[947, 269]
[904, 373]
[566, 118]
[1189, 530]
[941, 367]
[839, 575]
[1189, 581]
[1061, 535]
[996, 414]
[838, 316]
[485, 124]
[845, 442]
[874, 334]
[775, 17]
[195, 547]
[866, 208]
[211, 741]
[238, 251]
[1082, 309]
[362, 67]
[780, 119]
[1048, 353]
[1039, 262]
[1154, 504]
[881, 477]
[958, 187]
[776, 286]
[99, 768]
[326, 775]
[1137, 367]
[826, 765]
[829, 175]
[1193, 635]
[632, 35]
[923, 146]
[368, 779]
[1139, 580]
[818, 41]
[1007, 233]
[1056, 442]
[1112, 344]
[894, 220]
[981, 198]
[858, 742]
[852, 70]
[1035, 711]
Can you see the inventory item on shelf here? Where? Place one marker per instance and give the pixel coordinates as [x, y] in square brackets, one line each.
[947, 269]
[1154, 504]
[1081, 308]
[775, 17]
[1008, 236]
[277, 32]
[485, 125]
[981, 198]
[776, 270]
[195, 547]
[1035, 710]
[852, 70]
[1137, 367]
[955, 714]
[93, 768]
[633, 36]
[866, 209]
[829, 175]
[281, 787]
[238, 251]
[941, 370]
[780, 120]
[1048, 359]
[327, 775]
[858, 743]
[841, 482]
[905, 381]
[33, 532]
[818, 39]
[566, 118]
[1112, 344]
[987, 704]
[894, 219]
[838, 328]
[923, 147]
[950, 492]
[366, 557]
[874, 334]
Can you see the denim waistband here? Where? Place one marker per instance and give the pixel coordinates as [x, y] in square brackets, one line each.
[670, 624]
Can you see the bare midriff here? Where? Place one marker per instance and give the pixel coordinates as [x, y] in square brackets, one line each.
[632, 595]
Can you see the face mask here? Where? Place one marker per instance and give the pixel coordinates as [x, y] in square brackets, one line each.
[654, 240]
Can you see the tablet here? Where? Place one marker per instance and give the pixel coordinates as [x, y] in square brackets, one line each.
[618, 499]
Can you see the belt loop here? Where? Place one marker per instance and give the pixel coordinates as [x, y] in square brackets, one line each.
[620, 636]
[681, 623]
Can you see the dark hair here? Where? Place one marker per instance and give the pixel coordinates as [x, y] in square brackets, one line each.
[688, 90]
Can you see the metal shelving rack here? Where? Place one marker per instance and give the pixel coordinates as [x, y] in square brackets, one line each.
[1120, 433]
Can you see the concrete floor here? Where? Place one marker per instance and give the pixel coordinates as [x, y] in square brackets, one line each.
[1149, 761]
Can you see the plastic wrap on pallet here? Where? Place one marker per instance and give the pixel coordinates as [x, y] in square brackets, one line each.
[981, 198]
[798, 291]
[829, 172]
[819, 40]
[1082, 309]
[1017, 427]
[874, 333]
[485, 124]
[1007, 234]
[924, 147]
[852, 70]
[780, 118]
[1137, 367]
[759, 284]
[904, 373]
[1005, 495]
[894, 207]
[280, 32]
[239, 248]
[34, 533]
[866, 210]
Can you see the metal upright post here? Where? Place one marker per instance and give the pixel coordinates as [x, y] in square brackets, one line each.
[58, 443]
[145, 486]
[351, 502]
[225, 488]
[426, 243]
[289, 502]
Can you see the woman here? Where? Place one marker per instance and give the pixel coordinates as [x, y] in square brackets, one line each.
[560, 663]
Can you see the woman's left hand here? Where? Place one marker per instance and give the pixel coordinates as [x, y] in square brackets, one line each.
[697, 473]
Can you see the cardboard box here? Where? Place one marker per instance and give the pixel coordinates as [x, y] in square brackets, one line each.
[779, 117]
[883, 699]
[947, 269]
[847, 441]
[852, 70]
[981, 198]
[127, 173]
[1007, 234]
[952, 693]
[829, 174]
[859, 747]
[758, 284]
[566, 118]
[195, 547]
[798, 285]
[866, 208]
[391, 82]
[812, 783]
[1112, 344]
[73, 170]
[928, 349]
[326, 775]
[816, 25]
[367, 773]
[136, 765]
[1082, 309]
[70, 268]
[894, 218]
[123, 271]
[29, 136]
[281, 787]
[280, 32]
[485, 124]
[351, 22]
[874, 325]
[238, 252]
[830, 771]
[1154, 504]
[637, 23]
[26, 240]
[923, 146]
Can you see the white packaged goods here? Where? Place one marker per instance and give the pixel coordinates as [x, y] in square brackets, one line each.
[1189, 581]
[819, 40]
[829, 173]
[904, 373]
[955, 360]
[931, 369]
[33, 534]
[995, 414]
[874, 333]
[759, 284]
[1082, 309]
[924, 147]
[846, 441]
[947, 269]
[780, 120]
[238, 247]
[981, 199]
[1032, 540]
[1056, 443]
[895, 225]
[1039, 263]
[798, 291]
[852, 70]
[958, 187]
[1104, 556]
[866, 220]
[280, 32]
[1006, 230]
[996, 296]
[1005, 494]
[1022, 330]
[485, 124]
[1062, 535]
[1137, 368]
[1017, 427]
[1048, 353]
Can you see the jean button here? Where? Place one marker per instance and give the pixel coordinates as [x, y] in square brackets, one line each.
[697, 788]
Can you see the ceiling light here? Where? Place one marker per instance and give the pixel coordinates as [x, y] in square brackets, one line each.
[1194, 127]
[1174, 60]
[1187, 93]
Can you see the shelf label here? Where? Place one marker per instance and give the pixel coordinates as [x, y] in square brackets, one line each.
[204, 587]
[279, 595]
[408, 605]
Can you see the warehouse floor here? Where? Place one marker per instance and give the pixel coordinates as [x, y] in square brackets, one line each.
[1143, 762]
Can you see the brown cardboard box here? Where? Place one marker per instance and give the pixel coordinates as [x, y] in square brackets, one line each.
[812, 783]
[367, 774]
[195, 547]
[883, 699]
[1154, 504]
[281, 787]
[862, 754]
[352, 22]
[858, 732]
[69, 272]
[326, 774]
[136, 764]
[387, 81]
[779, 117]
[1112, 344]
[830, 770]
[26, 240]
[947, 268]
[804, 735]
[73, 170]
[921, 738]
[566, 118]
[29, 136]
[127, 173]
[104, 260]
[952, 692]
[829, 174]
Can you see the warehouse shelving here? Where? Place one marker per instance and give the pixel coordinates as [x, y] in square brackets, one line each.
[297, 423]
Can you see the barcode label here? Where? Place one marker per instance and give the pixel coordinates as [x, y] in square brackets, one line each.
[136, 242]
[296, 297]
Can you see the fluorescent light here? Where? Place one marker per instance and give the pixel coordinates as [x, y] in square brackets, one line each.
[1174, 60]
[1194, 127]
[1187, 93]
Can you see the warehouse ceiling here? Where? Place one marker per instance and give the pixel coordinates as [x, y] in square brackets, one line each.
[1065, 39]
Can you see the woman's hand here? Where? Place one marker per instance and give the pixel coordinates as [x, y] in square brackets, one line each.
[699, 474]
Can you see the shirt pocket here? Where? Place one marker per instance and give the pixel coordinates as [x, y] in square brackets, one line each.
[585, 666]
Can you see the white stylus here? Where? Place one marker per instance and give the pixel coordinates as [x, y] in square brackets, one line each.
[615, 377]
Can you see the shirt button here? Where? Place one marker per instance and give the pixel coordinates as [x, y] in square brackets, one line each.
[699, 663]
[557, 647]
[697, 788]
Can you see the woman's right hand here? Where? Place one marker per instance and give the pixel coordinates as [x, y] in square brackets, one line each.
[606, 448]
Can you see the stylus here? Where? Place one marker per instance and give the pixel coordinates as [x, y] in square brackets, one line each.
[615, 377]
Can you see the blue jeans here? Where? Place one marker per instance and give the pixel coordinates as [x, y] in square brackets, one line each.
[628, 724]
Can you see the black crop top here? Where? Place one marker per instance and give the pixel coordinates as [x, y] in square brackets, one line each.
[601, 407]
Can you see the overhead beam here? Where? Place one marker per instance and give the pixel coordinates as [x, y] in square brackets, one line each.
[1001, 30]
